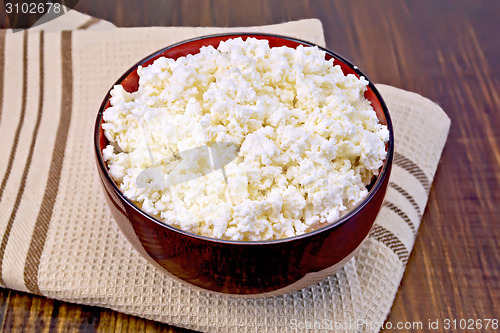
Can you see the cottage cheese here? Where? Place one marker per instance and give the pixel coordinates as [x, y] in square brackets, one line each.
[308, 140]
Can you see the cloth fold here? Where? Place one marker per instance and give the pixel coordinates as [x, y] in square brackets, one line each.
[59, 239]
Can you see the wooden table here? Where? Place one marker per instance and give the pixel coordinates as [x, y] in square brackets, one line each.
[446, 50]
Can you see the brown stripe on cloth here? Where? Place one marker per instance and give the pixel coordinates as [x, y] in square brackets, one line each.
[401, 214]
[410, 166]
[2, 68]
[21, 119]
[8, 228]
[408, 197]
[22, 184]
[89, 23]
[45, 214]
[391, 241]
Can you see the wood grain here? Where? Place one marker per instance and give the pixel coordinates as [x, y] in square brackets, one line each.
[446, 50]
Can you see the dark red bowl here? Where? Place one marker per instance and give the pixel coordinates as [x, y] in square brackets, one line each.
[239, 267]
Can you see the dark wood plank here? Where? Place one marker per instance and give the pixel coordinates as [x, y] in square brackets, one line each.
[446, 50]
[25, 312]
[4, 304]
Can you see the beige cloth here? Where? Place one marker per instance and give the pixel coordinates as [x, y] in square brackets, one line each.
[59, 239]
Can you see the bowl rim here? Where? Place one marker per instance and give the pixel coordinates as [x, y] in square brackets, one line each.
[384, 173]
